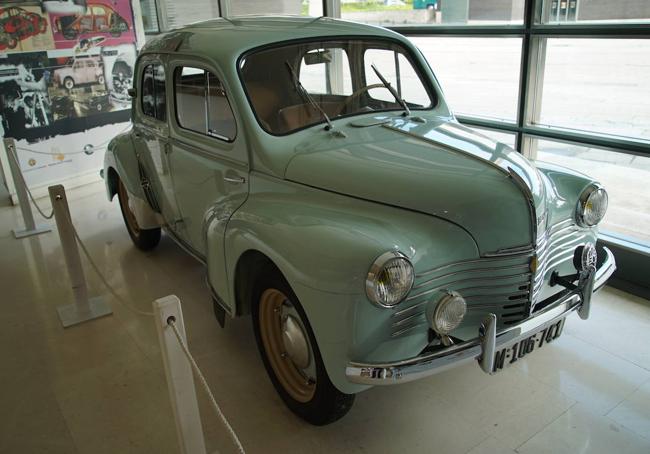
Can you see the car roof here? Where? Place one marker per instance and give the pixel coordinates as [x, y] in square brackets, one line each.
[227, 38]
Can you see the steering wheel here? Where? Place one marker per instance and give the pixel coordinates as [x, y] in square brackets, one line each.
[354, 96]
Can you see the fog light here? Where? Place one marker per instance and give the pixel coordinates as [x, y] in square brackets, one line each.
[448, 313]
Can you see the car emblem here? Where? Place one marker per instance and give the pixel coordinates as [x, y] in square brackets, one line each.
[534, 264]
[589, 257]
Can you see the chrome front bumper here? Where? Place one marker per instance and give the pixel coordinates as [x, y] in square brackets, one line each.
[482, 348]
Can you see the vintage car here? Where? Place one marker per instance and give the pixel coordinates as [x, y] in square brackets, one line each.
[316, 170]
[86, 70]
[98, 18]
[17, 24]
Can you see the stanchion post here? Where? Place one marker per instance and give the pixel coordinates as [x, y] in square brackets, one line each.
[178, 372]
[21, 192]
[83, 308]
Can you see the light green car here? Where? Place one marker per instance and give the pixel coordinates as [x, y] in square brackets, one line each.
[315, 169]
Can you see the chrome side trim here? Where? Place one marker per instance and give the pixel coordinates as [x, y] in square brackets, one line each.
[493, 278]
[474, 270]
[184, 246]
[495, 258]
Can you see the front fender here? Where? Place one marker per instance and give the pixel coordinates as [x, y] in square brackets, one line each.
[564, 187]
[324, 244]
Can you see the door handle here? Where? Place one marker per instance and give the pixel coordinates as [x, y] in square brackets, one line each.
[235, 180]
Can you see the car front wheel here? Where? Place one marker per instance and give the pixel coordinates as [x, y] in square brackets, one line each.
[144, 239]
[68, 83]
[290, 354]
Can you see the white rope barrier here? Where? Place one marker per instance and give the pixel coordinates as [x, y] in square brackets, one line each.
[99, 274]
[29, 193]
[124, 303]
[206, 388]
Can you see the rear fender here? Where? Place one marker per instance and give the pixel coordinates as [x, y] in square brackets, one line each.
[120, 161]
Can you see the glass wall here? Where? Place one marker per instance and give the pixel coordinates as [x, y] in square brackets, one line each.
[433, 12]
[149, 16]
[600, 85]
[595, 11]
[626, 178]
[479, 76]
[163, 15]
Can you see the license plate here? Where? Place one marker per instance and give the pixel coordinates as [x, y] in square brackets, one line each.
[513, 353]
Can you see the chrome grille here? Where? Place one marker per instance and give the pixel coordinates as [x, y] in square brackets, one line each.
[503, 285]
[489, 284]
[556, 246]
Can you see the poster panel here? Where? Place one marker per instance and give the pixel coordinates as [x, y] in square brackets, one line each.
[65, 70]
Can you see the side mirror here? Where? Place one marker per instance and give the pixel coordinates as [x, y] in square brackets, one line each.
[131, 92]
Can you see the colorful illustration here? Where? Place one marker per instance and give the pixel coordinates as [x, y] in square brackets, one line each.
[112, 20]
[17, 24]
[65, 66]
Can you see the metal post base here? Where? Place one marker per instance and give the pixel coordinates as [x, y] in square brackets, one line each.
[74, 314]
[18, 234]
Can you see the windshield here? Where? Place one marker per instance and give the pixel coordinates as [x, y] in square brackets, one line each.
[299, 85]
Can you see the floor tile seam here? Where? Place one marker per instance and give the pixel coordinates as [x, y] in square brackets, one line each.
[640, 366]
[546, 425]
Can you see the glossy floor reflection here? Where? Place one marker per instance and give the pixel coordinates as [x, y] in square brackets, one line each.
[99, 387]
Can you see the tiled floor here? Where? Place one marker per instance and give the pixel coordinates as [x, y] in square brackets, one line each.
[99, 387]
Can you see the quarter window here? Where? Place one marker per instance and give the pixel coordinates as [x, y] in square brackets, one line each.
[202, 105]
[153, 92]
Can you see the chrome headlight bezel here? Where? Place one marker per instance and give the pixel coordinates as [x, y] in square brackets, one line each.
[377, 268]
[588, 196]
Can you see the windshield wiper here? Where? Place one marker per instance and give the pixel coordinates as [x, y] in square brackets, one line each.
[299, 87]
[389, 87]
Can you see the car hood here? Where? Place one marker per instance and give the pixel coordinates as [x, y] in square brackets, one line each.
[434, 166]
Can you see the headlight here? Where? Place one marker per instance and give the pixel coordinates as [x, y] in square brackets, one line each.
[592, 206]
[446, 315]
[390, 279]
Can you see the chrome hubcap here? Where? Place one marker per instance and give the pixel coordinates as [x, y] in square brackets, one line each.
[295, 342]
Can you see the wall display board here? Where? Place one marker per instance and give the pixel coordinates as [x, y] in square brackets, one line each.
[65, 68]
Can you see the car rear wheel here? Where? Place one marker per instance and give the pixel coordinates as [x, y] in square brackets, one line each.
[144, 239]
[290, 354]
[68, 83]
[100, 80]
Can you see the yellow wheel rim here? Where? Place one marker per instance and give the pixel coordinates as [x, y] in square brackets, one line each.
[131, 221]
[299, 383]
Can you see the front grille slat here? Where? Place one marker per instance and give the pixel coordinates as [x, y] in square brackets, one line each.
[503, 284]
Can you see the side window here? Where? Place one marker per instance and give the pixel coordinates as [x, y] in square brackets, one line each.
[153, 92]
[159, 92]
[202, 105]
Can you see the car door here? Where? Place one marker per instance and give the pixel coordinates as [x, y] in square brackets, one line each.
[79, 72]
[209, 161]
[152, 136]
